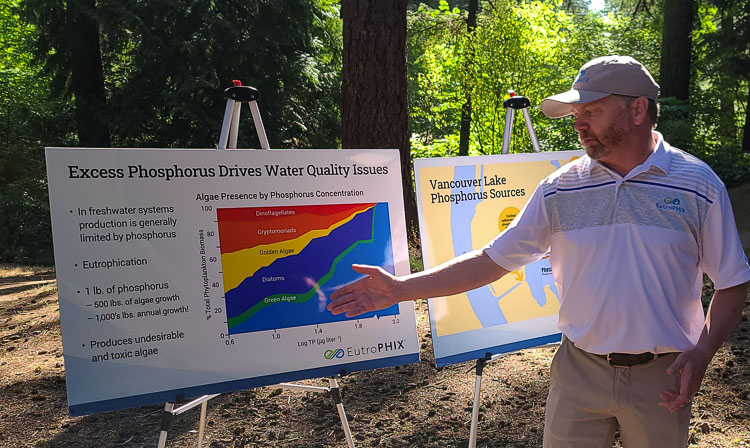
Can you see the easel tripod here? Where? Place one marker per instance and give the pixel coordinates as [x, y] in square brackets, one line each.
[236, 96]
[512, 105]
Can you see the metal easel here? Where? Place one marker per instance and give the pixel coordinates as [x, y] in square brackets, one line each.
[170, 410]
[512, 105]
[236, 96]
[479, 368]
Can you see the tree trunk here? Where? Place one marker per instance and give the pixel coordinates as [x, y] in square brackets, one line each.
[87, 75]
[464, 136]
[746, 129]
[726, 122]
[676, 44]
[374, 105]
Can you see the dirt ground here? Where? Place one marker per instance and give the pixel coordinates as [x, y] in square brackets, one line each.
[416, 405]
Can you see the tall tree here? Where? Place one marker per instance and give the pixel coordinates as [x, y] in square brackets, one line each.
[465, 133]
[729, 56]
[167, 61]
[741, 60]
[374, 104]
[68, 42]
[87, 77]
[28, 122]
[677, 113]
[675, 49]
[178, 55]
[726, 96]
[735, 52]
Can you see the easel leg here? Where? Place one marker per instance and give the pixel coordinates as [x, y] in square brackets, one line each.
[227, 124]
[475, 409]
[166, 418]
[336, 395]
[170, 410]
[235, 127]
[202, 423]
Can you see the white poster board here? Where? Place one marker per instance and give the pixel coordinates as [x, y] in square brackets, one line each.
[463, 203]
[189, 272]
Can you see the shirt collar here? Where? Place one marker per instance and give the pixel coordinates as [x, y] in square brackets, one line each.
[659, 158]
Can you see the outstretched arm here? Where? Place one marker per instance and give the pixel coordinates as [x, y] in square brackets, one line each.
[379, 289]
[723, 314]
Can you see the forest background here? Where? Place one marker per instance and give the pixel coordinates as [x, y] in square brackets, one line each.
[107, 73]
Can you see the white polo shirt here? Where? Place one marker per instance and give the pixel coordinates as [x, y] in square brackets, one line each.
[628, 253]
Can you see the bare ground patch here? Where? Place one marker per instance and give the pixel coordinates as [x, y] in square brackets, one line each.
[408, 406]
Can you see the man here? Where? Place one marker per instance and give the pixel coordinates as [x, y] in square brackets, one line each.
[632, 227]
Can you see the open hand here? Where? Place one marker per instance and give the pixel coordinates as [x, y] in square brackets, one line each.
[691, 365]
[376, 291]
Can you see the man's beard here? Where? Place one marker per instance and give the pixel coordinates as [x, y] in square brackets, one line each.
[602, 146]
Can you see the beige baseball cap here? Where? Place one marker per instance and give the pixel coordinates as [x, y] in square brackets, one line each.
[600, 77]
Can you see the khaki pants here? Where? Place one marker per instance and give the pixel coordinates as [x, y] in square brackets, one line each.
[588, 397]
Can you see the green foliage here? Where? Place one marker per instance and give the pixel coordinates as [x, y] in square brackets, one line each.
[675, 121]
[435, 98]
[711, 124]
[536, 47]
[165, 64]
[439, 147]
[168, 61]
[527, 48]
[28, 121]
[728, 161]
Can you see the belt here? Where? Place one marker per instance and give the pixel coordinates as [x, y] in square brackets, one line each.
[629, 359]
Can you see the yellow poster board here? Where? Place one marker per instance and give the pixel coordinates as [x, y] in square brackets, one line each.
[463, 203]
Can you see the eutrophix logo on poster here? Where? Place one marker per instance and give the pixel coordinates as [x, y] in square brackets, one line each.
[364, 350]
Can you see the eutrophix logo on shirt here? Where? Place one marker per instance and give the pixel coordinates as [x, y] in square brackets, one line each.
[671, 203]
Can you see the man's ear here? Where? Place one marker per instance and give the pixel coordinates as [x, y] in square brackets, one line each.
[639, 110]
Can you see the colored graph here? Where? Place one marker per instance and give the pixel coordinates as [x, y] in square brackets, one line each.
[280, 264]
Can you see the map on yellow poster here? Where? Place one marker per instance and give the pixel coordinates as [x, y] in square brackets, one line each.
[463, 203]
